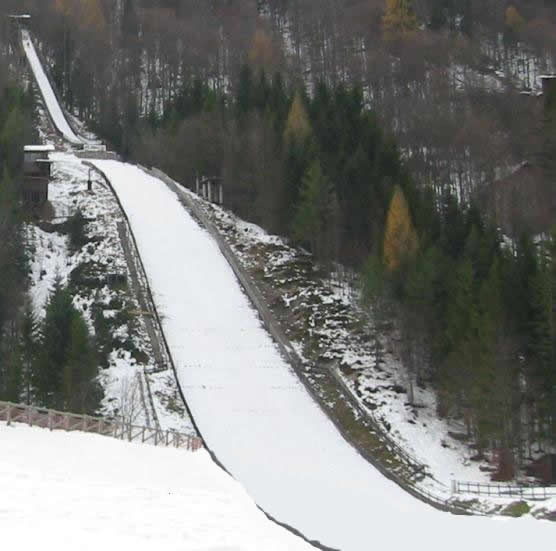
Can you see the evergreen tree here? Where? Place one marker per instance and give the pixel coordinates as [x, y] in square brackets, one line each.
[54, 341]
[313, 214]
[375, 295]
[28, 350]
[80, 370]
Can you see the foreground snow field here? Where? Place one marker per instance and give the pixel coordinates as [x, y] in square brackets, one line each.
[257, 417]
[64, 492]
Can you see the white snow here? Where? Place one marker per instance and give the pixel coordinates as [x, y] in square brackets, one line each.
[67, 491]
[254, 413]
[39, 148]
[47, 92]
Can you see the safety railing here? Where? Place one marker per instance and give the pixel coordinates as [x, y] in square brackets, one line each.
[59, 420]
[503, 490]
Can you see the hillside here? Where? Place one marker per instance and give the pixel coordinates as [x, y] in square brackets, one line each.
[418, 295]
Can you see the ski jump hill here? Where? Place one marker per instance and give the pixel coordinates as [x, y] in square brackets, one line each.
[250, 407]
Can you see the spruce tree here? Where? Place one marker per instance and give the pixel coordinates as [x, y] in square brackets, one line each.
[55, 339]
[313, 212]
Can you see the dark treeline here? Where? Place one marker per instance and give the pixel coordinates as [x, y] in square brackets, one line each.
[212, 89]
[444, 75]
[48, 362]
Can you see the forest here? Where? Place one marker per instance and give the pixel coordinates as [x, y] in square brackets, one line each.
[50, 363]
[375, 133]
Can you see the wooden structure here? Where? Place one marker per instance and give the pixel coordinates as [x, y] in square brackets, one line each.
[58, 420]
[36, 173]
[210, 189]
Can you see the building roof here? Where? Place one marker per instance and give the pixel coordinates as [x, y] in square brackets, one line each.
[39, 148]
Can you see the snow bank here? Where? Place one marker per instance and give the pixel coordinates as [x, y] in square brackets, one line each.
[88, 492]
[255, 414]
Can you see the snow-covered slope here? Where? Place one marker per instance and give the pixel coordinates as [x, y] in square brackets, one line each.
[257, 417]
[64, 492]
[47, 92]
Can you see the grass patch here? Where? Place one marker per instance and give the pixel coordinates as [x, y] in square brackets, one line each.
[516, 509]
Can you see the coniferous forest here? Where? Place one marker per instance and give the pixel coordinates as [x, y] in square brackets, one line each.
[374, 133]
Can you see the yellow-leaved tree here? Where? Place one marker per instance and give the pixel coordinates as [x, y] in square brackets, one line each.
[262, 52]
[514, 20]
[399, 20]
[65, 7]
[92, 14]
[400, 237]
[298, 126]
[86, 13]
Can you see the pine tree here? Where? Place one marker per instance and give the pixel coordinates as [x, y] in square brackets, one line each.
[28, 350]
[54, 341]
[438, 15]
[400, 238]
[244, 93]
[80, 369]
[11, 140]
[458, 345]
[375, 295]
[313, 214]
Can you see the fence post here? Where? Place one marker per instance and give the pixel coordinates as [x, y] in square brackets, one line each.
[9, 416]
[50, 419]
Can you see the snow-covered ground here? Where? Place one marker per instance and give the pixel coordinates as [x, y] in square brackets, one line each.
[131, 357]
[341, 336]
[66, 491]
[254, 413]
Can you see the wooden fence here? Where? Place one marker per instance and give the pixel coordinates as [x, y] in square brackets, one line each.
[58, 420]
[503, 490]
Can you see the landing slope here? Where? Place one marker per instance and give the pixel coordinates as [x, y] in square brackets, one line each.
[255, 414]
[64, 492]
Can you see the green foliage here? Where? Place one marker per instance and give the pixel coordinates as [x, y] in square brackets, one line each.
[65, 375]
[76, 225]
[314, 211]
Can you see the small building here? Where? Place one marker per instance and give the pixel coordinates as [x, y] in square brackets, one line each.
[211, 189]
[36, 173]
